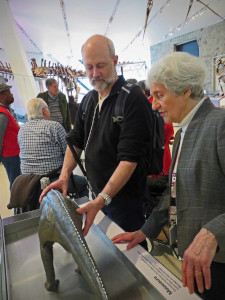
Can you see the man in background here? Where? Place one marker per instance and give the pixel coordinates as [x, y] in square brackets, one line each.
[57, 104]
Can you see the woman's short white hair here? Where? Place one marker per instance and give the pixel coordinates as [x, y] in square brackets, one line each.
[179, 72]
[34, 108]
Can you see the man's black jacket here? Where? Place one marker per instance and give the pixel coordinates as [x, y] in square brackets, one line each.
[110, 143]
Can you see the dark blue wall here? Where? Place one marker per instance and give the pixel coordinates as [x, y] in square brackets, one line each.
[190, 47]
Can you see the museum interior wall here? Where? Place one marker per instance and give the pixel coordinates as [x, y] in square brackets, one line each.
[211, 43]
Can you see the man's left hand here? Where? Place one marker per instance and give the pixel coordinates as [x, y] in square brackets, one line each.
[197, 261]
[91, 209]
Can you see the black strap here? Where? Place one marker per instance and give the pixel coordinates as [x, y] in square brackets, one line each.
[76, 157]
[85, 106]
[120, 102]
[78, 161]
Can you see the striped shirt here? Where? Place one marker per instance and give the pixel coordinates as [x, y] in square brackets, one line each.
[53, 105]
[42, 146]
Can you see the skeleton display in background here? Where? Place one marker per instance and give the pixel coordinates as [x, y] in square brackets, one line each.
[6, 71]
[5, 68]
[60, 223]
[189, 8]
[39, 71]
[213, 11]
[149, 7]
[66, 74]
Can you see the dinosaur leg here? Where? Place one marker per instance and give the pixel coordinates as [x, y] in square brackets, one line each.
[47, 257]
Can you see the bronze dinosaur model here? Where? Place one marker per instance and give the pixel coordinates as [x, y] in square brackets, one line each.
[60, 223]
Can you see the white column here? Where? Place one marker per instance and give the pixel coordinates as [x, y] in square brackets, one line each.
[16, 54]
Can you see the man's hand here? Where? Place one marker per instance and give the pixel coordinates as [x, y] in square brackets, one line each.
[91, 209]
[197, 261]
[59, 184]
[134, 238]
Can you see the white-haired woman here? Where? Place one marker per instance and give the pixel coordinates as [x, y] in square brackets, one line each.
[197, 173]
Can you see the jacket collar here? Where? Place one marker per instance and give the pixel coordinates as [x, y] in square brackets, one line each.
[2, 105]
[117, 85]
[203, 110]
[201, 113]
[51, 96]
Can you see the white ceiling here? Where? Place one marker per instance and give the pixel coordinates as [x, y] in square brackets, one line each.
[43, 22]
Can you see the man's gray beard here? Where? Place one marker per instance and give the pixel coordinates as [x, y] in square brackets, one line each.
[102, 86]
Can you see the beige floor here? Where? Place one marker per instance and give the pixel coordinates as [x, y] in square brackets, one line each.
[4, 194]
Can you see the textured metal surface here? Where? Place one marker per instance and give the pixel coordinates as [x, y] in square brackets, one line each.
[25, 275]
[60, 223]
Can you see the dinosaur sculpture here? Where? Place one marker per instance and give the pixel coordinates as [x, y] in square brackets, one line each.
[60, 223]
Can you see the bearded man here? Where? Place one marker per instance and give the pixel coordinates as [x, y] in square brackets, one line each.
[114, 154]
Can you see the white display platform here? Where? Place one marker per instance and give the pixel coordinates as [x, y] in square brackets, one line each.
[160, 277]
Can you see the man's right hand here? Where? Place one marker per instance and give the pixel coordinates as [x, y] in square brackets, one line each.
[59, 184]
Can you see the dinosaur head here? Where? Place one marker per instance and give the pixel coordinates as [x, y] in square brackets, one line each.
[54, 202]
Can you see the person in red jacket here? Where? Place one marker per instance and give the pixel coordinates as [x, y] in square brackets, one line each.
[9, 148]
